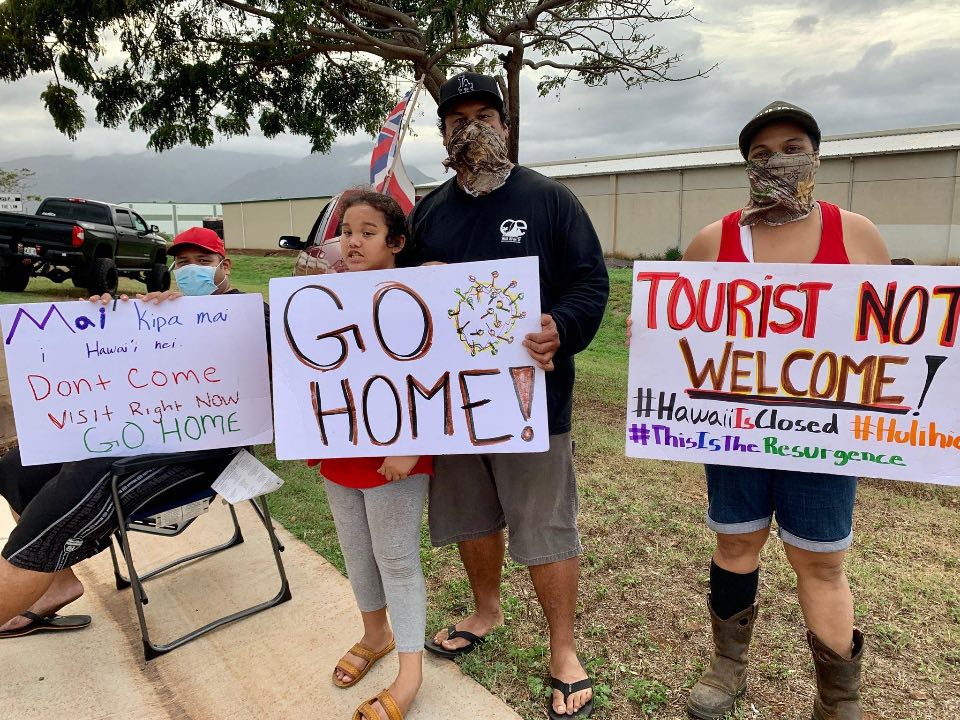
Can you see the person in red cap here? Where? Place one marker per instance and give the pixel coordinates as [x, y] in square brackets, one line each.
[200, 263]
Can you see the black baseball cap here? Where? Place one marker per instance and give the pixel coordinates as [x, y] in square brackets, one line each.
[779, 111]
[469, 86]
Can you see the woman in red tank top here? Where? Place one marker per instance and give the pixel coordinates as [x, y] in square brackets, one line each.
[377, 505]
[782, 223]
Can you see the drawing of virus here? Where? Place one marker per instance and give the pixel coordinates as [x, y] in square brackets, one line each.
[486, 314]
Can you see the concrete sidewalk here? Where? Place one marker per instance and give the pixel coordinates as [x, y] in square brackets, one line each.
[276, 664]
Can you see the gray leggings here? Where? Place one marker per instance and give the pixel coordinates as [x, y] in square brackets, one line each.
[379, 532]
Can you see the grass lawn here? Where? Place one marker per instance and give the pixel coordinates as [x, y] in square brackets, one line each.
[642, 621]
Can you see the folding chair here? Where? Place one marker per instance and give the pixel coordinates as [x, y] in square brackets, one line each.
[141, 519]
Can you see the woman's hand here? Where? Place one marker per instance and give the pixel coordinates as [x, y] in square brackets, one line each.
[398, 467]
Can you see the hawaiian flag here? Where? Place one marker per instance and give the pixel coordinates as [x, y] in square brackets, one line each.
[386, 169]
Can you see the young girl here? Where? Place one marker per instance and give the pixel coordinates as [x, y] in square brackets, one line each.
[377, 506]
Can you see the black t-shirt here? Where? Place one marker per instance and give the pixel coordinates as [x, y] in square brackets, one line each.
[530, 215]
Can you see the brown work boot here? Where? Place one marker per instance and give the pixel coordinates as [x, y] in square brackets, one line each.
[838, 680]
[715, 693]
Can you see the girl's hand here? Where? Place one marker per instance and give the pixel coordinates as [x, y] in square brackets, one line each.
[398, 467]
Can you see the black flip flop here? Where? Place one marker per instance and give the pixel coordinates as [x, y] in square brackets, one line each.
[568, 689]
[50, 623]
[474, 641]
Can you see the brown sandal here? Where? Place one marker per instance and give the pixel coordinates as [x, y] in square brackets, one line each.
[361, 651]
[368, 712]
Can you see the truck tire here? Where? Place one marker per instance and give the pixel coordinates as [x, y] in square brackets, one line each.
[103, 277]
[14, 278]
[158, 278]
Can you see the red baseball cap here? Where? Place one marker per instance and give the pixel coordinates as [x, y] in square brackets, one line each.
[201, 237]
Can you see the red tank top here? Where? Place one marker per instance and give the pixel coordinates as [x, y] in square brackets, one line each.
[830, 252]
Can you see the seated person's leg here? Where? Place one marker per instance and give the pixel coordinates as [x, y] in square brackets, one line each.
[34, 572]
[19, 484]
[19, 590]
[70, 519]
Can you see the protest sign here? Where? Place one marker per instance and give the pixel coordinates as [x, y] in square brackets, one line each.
[408, 362]
[849, 370]
[89, 380]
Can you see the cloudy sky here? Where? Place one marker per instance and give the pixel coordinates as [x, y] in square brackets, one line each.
[856, 64]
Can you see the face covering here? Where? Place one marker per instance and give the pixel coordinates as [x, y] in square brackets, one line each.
[478, 154]
[196, 279]
[781, 188]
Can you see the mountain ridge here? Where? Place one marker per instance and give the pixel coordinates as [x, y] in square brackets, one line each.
[188, 174]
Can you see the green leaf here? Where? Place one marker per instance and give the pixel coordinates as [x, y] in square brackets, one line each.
[63, 107]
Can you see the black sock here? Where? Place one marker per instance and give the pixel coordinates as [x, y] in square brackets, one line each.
[732, 592]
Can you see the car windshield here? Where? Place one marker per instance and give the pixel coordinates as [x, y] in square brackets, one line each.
[84, 212]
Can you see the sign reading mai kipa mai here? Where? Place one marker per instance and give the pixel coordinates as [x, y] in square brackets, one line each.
[93, 381]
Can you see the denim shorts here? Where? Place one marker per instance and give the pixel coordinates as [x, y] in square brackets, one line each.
[814, 511]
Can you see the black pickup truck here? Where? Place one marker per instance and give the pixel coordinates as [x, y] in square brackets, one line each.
[92, 243]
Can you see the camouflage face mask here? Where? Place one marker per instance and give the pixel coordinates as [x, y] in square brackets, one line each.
[478, 154]
[781, 188]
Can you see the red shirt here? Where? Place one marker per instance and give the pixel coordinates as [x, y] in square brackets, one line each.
[830, 252]
[361, 473]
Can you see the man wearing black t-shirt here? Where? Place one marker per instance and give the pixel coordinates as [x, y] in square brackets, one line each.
[493, 210]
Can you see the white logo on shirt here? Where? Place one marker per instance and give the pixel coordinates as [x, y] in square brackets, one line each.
[72, 544]
[512, 230]
[465, 85]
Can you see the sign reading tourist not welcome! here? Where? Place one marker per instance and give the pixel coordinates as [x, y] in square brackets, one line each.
[849, 370]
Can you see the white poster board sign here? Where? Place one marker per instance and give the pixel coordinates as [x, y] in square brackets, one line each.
[88, 380]
[849, 370]
[415, 361]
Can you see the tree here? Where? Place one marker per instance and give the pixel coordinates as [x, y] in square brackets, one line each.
[316, 68]
[15, 180]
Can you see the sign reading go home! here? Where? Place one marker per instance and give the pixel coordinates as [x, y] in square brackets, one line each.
[850, 370]
[415, 361]
[93, 381]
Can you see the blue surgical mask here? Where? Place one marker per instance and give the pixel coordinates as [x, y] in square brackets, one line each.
[196, 279]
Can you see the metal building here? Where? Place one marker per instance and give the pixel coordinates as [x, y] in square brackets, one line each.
[257, 224]
[903, 180]
[174, 218]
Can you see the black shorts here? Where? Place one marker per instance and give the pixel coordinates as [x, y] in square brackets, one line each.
[67, 512]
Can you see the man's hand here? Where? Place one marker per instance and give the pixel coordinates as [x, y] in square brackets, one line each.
[157, 297]
[543, 345]
[398, 467]
[104, 299]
